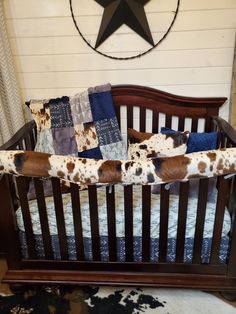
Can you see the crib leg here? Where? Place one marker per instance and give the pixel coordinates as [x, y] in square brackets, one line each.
[229, 295]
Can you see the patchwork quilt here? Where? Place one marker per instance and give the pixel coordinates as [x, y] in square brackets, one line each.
[84, 125]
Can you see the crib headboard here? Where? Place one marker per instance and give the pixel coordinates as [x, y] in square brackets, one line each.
[149, 109]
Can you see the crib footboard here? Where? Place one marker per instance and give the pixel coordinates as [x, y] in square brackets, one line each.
[89, 237]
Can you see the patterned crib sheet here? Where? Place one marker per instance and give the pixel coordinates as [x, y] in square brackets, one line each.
[119, 207]
[137, 246]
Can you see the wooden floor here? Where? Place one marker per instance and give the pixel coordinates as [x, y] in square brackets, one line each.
[4, 288]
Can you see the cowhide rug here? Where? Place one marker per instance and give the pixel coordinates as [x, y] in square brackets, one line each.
[110, 300]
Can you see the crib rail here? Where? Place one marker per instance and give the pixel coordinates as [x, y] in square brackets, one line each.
[146, 109]
[227, 133]
[24, 139]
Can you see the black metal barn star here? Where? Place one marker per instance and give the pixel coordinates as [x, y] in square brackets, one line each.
[119, 12]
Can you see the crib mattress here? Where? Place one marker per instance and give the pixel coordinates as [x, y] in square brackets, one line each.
[119, 208]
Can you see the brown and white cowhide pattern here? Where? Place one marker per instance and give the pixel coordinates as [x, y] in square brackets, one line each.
[144, 145]
[91, 171]
[86, 136]
[41, 113]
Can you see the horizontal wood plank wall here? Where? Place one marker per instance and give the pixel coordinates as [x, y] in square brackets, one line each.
[52, 59]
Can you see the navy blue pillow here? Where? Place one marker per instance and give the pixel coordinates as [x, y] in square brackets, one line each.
[201, 141]
[197, 141]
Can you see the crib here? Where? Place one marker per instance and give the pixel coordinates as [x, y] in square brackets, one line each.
[135, 257]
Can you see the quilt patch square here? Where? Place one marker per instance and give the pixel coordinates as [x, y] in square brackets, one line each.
[41, 114]
[115, 151]
[102, 106]
[60, 111]
[45, 142]
[108, 131]
[64, 141]
[93, 153]
[80, 108]
[86, 136]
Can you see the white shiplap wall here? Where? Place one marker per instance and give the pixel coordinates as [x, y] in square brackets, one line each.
[52, 60]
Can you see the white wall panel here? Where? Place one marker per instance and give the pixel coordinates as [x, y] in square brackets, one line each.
[52, 60]
[63, 26]
[75, 45]
[55, 8]
[91, 62]
[184, 76]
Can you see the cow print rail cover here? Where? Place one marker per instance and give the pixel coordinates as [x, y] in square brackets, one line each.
[91, 171]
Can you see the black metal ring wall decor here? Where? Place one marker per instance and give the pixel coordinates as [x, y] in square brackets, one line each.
[154, 45]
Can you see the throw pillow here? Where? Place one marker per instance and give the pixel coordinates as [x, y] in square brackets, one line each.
[149, 145]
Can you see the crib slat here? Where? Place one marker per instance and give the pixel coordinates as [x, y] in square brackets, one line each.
[60, 218]
[155, 122]
[182, 217]
[129, 117]
[219, 217]
[75, 201]
[21, 146]
[164, 215]
[117, 108]
[146, 222]
[111, 222]
[28, 145]
[142, 119]
[181, 124]
[209, 126]
[30, 240]
[93, 208]
[200, 220]
[168, 121]
[47, 244]
[194, 125]
[228, 143]
[128, 205]
[32, 139]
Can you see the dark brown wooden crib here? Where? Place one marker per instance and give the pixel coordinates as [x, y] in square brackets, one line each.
[156, 108]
